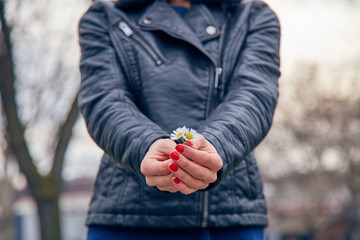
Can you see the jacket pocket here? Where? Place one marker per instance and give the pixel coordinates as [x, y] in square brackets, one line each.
[125, 28]
[133, 66]
[111, 179]
[133, 51]
[104, 177]
[255, 181]
[241, 181]
[118, 186]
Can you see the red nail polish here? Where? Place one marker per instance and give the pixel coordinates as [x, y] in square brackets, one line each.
[175, 155]
[173, 167]
[190, 143]
[176, 180]
[179, 148]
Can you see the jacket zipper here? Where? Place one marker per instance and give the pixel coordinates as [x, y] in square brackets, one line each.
[218, 69]
[130, 33]
[218, 72]
[180, 38]
[206, 210]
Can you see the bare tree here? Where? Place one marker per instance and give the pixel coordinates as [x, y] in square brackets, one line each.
[45, 188]
[6, 202]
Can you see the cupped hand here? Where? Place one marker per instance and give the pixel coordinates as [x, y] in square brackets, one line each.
[155, 165]
[194, 165]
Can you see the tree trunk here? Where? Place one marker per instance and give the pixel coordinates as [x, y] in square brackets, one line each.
[44, 189]
[6, 202]
[49, 217]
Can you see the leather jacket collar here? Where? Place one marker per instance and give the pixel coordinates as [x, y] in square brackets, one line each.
[139, 3]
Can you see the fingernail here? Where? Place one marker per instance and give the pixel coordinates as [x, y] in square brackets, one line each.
[175, 155]
[179, 148]
[190, 143]
[176, 180]
[173, 167]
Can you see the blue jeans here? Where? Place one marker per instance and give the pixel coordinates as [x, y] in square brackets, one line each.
[112, 233]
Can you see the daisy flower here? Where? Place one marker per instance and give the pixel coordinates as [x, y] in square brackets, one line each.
[178, 133]
[190, 134]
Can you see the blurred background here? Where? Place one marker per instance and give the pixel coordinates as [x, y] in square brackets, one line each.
[310, 161]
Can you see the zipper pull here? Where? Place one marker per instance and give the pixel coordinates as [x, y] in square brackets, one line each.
[126, 29]
[218, 72]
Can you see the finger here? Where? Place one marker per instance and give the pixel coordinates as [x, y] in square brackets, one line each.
[193, 168]
[153, 167]
[192, 144]
[199, 143]
[186, 178]
[181, 187]
[161, 148]
[210, 160]
[171, 188]
[162, 181]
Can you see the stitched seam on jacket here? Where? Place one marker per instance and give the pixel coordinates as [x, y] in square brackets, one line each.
[121, 198]
[245, 142]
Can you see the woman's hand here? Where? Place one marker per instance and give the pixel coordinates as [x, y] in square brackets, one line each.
[194, 166]
[155, 165]
[188, 169]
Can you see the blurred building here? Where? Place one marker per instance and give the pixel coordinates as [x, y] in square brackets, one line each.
[308, 207]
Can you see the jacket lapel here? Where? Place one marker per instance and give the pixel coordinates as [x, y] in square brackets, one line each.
[202, 23]
[137, 3]
[161, 16]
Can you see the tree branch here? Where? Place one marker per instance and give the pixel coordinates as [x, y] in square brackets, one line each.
[64, 135]
[14, 128]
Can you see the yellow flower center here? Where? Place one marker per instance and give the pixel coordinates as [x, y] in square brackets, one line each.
[179, 134]
[189, 136]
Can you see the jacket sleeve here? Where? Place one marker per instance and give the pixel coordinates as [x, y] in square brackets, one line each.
[113, 120]
[241, 121]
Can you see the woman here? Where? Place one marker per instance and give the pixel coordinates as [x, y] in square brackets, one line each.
[151, 66]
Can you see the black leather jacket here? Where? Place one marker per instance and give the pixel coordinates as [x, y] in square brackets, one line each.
[146, 71]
